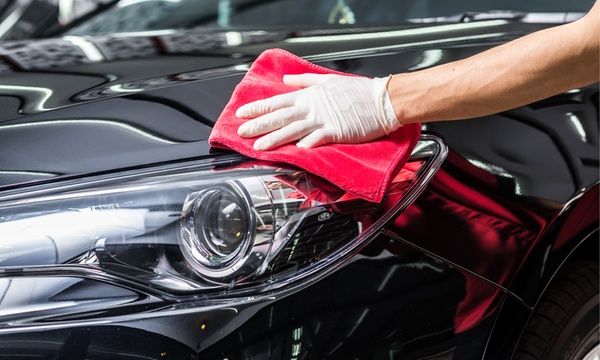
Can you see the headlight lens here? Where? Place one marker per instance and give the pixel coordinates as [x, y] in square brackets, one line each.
[215, 227]
[197, 227]
[225, 225]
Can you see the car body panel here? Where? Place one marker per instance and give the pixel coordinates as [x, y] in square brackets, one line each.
[394, 309]
[432, 284]
[115, 95]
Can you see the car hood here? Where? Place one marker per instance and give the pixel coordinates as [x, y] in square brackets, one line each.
[81, 105]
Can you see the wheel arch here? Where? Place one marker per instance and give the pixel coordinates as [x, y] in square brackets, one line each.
[572, 234]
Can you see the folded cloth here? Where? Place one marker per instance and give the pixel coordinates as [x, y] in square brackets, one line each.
[361, 169]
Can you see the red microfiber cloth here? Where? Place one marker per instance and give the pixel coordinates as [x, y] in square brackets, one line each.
[361, 169]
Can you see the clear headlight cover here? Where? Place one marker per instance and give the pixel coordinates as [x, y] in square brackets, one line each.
[207, 226]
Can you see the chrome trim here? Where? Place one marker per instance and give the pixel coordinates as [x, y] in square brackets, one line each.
[263, 240]
[339, 258]
[195, 248]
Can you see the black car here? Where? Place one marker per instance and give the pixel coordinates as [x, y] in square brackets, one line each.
[124, 236]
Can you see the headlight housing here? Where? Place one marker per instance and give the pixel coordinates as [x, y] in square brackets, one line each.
[209, 226]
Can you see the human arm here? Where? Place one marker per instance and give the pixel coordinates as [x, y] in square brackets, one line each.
[351, 110]
[522, 71]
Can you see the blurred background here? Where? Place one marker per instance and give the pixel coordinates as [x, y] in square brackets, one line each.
[24, 19]
[39, 35]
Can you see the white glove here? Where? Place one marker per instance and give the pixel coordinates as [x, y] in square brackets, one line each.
[330, 109]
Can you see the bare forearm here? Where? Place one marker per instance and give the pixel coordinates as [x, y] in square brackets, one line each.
[517, 73]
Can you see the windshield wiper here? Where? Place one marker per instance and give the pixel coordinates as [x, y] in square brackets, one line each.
[510, 15]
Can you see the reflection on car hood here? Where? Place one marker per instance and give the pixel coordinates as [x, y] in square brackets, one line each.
[76, 105]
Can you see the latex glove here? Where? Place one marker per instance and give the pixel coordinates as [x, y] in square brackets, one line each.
[329, 109]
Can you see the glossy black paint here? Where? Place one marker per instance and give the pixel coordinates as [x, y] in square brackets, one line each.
[411, 293]
[374, 307]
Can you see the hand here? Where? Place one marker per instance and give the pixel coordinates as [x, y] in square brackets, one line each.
[329, 109]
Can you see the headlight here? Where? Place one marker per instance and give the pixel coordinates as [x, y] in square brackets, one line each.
[205, 226]
[216, 234]
[226, 230]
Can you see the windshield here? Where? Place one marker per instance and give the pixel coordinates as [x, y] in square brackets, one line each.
[148, 15]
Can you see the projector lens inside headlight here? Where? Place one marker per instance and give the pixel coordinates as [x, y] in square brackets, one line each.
[216, 231]
[220, 221]
[197, 227]
[223, 223]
